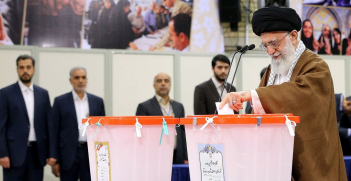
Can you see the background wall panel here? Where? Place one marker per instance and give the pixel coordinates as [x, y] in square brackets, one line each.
[8, 68]
[133, 78]
[55, 67]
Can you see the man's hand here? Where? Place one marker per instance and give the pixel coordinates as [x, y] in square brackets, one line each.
[152, 48]
[152, 32]
[186, 162]
[50, 161]
[236, 99]
[55, 169]
[5, 162]
[133, 46]
[348, 50]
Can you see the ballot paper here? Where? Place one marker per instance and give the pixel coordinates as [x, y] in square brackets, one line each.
[225, 109]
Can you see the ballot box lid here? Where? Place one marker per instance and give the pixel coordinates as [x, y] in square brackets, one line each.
[240, 119]
[131, 120]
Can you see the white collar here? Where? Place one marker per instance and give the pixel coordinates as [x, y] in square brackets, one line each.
[24, 87]
[216, 82]
[161, 100]
[76, 97]
[186, 49]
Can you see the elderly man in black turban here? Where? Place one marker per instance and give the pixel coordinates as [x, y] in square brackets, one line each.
[297, 81]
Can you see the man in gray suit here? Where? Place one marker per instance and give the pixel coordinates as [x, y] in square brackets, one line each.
[162, 105]
[207, 93]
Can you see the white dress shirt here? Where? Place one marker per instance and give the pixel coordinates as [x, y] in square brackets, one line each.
[186, 49]
[28, 96]
[82, 111]
[219, 87]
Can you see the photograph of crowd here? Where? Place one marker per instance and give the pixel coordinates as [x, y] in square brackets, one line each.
[326, 27]
[109, 24]
[11, 22]
[138, 24]
[54, 23]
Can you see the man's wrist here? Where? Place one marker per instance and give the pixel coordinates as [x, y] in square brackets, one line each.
[246, 95]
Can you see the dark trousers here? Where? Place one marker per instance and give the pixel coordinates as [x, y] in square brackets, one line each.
[31, 170]
[80, 168]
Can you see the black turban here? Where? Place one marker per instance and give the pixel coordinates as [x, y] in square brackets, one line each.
[275, 19]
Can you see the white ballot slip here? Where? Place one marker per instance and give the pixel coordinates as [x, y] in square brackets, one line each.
[225, 109]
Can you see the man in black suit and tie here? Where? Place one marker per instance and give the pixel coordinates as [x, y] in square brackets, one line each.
[25, 126]
[69, 109]
[162, 105]
[343, 111]
[207, 93]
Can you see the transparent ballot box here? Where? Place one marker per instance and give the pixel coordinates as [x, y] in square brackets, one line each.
[130, 147]
[240, 147]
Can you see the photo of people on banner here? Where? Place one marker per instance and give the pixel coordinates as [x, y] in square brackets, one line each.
[138, 24]
[326, 29]
[54, 23]
[11, 21]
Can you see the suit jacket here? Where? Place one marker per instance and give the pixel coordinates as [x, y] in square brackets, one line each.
[205, 97]
[65, 120]
[151, 107]
[14, 125]
[343, 124]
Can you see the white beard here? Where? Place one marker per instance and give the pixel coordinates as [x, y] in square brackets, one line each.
[282, 65]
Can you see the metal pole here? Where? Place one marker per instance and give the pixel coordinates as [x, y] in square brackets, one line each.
[247, 22]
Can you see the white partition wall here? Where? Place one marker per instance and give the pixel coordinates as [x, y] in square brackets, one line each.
[8, 71]
[133, 77]
[54, 67]
[125, 78]
[337, 70]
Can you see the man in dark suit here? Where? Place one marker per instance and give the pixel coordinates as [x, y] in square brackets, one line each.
[207, 93]
[25, 126]
[343, 111]
[162, 105]
[69, 109]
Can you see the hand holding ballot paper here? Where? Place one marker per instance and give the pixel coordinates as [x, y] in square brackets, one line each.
[235, 100]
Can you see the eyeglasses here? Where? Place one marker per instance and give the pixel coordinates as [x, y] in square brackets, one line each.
[273, 45]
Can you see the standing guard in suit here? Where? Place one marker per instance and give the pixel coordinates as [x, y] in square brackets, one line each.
[25, 127]
[162, 105]
[207, 93]
[69, 109]
[343, 111]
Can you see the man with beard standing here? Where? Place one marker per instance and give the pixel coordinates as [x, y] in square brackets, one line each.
[299, 82]
[25, 127]
[207, 93]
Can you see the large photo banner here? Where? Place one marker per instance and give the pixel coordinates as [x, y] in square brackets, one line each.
[11, 21]
[326, 26]
[138, 24]
[53, 23]
[150, 25]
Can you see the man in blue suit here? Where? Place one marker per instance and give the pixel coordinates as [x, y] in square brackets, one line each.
[25, 127]
[69, 109]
